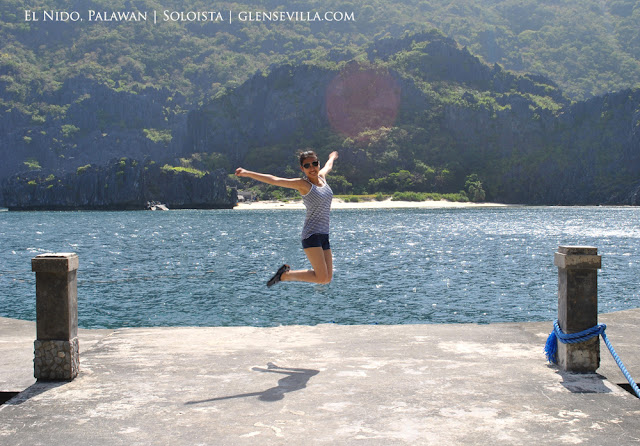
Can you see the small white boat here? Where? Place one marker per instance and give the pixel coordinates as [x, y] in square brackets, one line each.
[155, 206]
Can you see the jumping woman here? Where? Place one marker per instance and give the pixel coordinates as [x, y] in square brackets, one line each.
[316, 196]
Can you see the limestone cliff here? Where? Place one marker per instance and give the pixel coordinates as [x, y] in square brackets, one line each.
[90, 123]
[123, 184]
[287, 104]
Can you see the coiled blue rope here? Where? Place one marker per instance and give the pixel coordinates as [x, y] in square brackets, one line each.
[551, 347]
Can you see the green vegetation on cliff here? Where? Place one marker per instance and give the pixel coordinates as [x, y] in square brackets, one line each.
[589, 47]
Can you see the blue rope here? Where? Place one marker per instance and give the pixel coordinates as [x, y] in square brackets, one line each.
[551, 347]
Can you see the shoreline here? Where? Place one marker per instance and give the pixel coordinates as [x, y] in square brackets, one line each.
[338, 203]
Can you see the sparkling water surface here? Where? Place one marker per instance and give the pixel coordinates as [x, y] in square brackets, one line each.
[391, 266]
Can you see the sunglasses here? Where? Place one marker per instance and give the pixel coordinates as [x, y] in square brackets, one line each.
[314, 164]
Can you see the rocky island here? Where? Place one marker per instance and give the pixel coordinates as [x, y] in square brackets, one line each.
[123, 184]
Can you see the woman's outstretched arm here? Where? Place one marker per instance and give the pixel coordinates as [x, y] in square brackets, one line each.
[328, 165]
[292, 183]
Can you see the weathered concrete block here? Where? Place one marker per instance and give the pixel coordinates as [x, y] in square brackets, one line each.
[56, 353]
[578, 305]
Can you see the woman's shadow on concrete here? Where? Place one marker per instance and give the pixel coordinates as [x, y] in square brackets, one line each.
[296, 379]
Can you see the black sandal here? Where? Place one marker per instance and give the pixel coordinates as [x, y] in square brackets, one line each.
[277, 277]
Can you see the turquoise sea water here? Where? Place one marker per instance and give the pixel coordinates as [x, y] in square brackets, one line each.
[392, 266]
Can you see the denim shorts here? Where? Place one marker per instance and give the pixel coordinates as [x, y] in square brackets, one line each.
[317, 241]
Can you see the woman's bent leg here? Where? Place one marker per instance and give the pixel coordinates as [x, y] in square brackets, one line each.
[322, 264]
[328, 260]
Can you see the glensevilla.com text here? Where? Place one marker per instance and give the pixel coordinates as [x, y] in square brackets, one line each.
[297, 16]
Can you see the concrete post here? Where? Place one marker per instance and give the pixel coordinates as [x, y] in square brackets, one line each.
[56, 347]
[578, 305]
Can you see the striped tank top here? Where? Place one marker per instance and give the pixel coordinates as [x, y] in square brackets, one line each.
[318, 204]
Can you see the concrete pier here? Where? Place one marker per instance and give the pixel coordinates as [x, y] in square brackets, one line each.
[450, 384]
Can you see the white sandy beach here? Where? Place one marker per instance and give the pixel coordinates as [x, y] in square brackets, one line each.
[386, 204]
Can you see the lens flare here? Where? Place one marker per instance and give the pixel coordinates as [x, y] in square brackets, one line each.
[360, 99]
